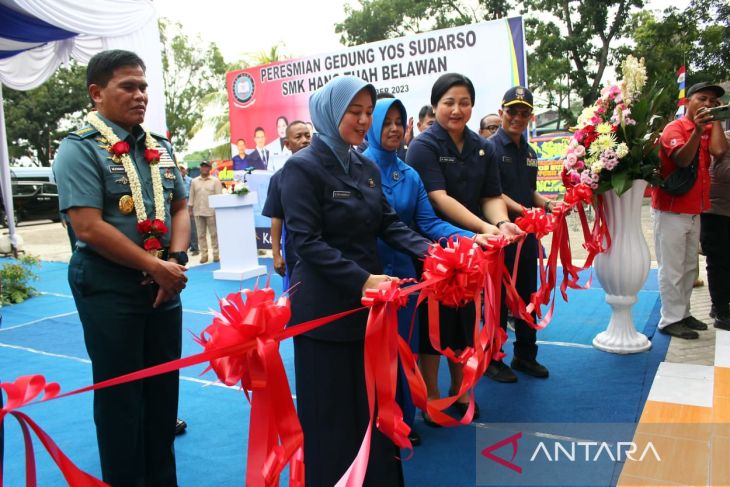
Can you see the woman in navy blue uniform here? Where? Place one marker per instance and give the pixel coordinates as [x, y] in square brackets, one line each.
[405, 192]
[463, 185]
[335, 211]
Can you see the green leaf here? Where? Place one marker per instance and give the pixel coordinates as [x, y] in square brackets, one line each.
[620, 182]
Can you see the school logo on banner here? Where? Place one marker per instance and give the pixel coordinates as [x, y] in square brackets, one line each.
[243, 88]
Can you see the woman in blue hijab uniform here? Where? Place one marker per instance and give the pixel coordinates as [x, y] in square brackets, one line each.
[335, 212]
[462, 181]
[405, 192]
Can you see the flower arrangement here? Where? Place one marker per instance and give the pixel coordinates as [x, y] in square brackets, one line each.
[615, 140]
[237, 187]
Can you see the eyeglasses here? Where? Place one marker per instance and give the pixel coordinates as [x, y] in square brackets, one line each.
[513, 112]
[491, 128]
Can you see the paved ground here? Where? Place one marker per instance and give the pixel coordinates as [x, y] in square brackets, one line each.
[49, 242]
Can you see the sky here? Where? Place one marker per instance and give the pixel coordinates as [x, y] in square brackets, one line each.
[299, 27]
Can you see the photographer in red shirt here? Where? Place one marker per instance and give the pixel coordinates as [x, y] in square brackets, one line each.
[676, 217]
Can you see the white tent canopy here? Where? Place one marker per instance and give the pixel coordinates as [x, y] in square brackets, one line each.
[90, 27]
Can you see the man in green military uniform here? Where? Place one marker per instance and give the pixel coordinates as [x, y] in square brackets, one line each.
[125, 198]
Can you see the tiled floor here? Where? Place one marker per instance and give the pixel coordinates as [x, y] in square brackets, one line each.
[687, 419]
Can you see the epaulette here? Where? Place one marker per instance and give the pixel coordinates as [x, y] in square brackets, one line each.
[159, 136]
[84, 132]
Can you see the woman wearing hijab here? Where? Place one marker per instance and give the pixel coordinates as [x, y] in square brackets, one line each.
[462, 181]
[335, 212]
[405, 192]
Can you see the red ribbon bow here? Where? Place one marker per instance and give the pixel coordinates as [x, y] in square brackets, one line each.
[275, 435]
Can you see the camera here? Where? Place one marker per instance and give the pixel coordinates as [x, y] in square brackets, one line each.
[720, 113]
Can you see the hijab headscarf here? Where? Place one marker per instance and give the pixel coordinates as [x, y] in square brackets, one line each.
[328, 105]
[385, 159]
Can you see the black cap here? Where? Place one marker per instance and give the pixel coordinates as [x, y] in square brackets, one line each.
[705, 85]
[517, 94]
[206, 163]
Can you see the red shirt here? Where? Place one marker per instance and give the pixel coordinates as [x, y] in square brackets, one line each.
[697, 199]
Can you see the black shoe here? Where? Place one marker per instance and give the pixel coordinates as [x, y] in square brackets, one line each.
[680, 330]
[694, 324]
[722, 321]
[713, 311]
[429, 422]
[463, 406]
[500, 372]
[530, 367]
[180, 426]
[414, 437]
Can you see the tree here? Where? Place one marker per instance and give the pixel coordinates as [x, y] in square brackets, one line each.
[570, 40]
[38, 119]
[191, 70]
[376, 20]
[697, 38]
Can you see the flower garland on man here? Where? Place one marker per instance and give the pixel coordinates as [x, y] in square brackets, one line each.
[125, 198]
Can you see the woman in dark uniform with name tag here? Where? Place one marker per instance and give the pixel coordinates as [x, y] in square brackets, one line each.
[335, 212]
[462, 182]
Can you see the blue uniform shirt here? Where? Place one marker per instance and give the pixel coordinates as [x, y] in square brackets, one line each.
[517, 167]
[273, 209]
[467, 176]
[88, 178]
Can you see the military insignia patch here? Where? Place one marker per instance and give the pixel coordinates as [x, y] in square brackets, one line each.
[126, 204]
[165, 158]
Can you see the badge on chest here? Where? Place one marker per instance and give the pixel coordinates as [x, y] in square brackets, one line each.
[341, 195]
[531, 162]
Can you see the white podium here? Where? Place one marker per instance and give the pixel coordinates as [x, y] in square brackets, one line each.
[236, 236]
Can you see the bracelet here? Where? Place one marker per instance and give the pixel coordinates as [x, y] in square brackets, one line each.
[499, 223]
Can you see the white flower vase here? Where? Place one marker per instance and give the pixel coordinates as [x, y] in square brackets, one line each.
[623, 270]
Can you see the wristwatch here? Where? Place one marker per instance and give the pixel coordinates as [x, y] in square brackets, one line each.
[180, 257]
[501, 222]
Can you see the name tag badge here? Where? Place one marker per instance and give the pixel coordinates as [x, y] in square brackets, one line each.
[507, 159]
[448, 160]
[117, 169]
[341, 195]
[531, 162]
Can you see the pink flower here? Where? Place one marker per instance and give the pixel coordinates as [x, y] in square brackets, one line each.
[596, 120]
[579, 166]
[571, 159]
[579, 151]
[585, 177]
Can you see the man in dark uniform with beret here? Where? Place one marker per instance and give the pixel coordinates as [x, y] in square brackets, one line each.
[517, 163]
[125, 198]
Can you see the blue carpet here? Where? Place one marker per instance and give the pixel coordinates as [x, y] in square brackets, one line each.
[44, 335]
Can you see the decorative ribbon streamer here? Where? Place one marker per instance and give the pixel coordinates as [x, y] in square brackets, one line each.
[22, 392]
[242, 345]
[275, 435]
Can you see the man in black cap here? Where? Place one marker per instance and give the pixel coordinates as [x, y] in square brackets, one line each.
[517, 163]
[692, 139]
[202, 187]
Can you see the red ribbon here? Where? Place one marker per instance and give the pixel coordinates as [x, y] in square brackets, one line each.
[21, 393]
[242, 345]
[275, 435]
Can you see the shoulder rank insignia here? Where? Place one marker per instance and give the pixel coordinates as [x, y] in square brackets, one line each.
[169, 174]
[84, 132]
